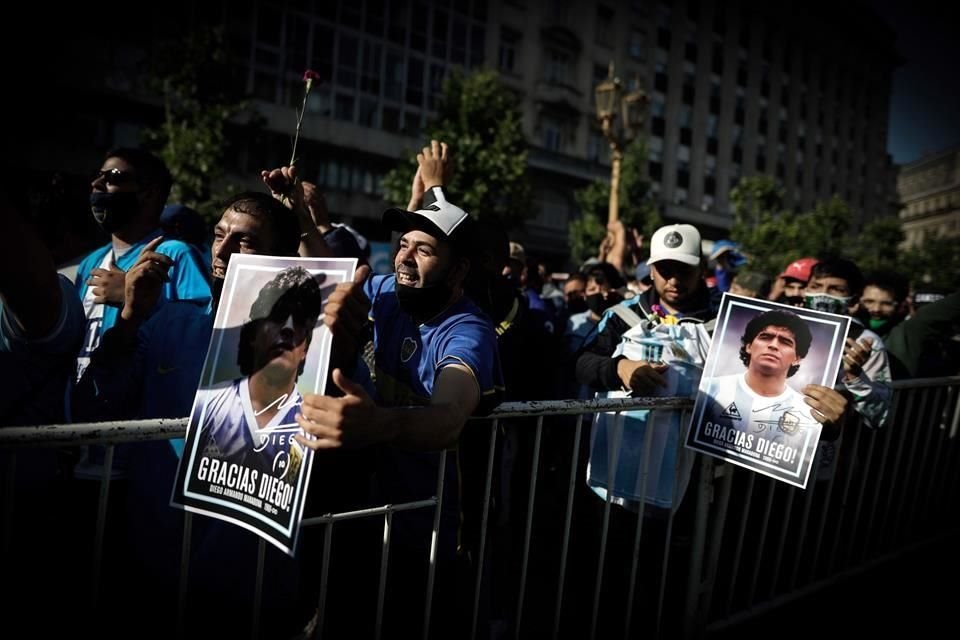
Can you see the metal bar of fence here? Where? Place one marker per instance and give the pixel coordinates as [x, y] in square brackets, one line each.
[184, 573]
[955, 424]
[324, 580]
[852, 451]
[825, 511]
[531, 501]
[568, 521]
[761, 543]
[101, 523]
[933, 431]
[605, 525]
[719, 526]
[781, 543]
[117, 431]
[642, 492]
[897, 529]
[10, 464]
[481, 553]
[365, 513]
[804, 526]
[434, 541]
[865, 476]
[668, 537]
[258, 589]
[949, 411]
[898, 457]
[888, 434]
[384, 564]
[945, 488]
[741, 535]
[704, 495]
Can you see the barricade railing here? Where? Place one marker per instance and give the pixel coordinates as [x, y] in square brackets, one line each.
[540, 555]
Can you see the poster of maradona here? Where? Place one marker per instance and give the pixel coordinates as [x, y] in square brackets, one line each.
[241, 462]
[752, 405]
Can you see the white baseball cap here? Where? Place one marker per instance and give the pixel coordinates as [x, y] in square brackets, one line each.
[680, 242]
[440, 218]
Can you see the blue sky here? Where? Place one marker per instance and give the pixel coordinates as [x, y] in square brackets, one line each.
[925, 106]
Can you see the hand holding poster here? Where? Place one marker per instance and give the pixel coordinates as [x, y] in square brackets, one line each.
[750, 407]
[241, 462]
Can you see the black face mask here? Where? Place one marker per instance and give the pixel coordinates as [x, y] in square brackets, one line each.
[113, 210]
[577, 305]
[793, 301]
[423, 304]
[598, 303]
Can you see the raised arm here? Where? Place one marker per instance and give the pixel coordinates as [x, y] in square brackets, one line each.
[285, 187]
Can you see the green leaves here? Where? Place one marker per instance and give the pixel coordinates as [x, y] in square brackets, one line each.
[636, 208]
[201, 95]
[478, 117]
[773, 237]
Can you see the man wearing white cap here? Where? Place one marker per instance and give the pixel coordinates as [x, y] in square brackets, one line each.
[435, 350]
[656, 344]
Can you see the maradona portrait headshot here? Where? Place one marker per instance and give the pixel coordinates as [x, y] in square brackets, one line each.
[250, 421]
[759, 400]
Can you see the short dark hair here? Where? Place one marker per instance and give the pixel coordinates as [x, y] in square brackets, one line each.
[890, 281]
[777, 318]
[293, 291]
[150, 169]
[604, 273]
[840, 268]
[283, 224]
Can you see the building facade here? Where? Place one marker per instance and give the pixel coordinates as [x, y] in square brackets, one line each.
[929, 190]
[796, 90]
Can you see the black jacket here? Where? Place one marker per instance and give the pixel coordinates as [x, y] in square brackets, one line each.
[595, 365]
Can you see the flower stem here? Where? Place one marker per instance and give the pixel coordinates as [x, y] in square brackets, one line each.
[303, 109]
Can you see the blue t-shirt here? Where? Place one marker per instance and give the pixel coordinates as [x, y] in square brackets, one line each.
[188, 280]
[409, 356]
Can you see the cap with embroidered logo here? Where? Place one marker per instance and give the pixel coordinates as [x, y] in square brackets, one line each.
[680, 242]
[440, 218]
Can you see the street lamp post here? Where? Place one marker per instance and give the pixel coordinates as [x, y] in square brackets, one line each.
[609, 96]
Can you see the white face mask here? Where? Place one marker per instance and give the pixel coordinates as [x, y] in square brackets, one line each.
[826, 302]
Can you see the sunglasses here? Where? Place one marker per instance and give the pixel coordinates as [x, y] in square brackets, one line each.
[114, 177]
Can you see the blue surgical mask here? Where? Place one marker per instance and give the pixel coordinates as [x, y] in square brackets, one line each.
[826, 302]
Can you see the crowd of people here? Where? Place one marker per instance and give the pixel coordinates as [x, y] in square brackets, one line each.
[466, 320]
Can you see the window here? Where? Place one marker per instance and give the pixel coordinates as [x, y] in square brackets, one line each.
[551, 134]
[603, 35]
[509, 49]
[636, 45]
[395, 72]
[557, 66]
[415, 82]
[370, 74]
[596, 144]
[347, 62]
[655, 151]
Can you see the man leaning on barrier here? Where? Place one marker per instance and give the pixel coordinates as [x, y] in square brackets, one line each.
[435, 363]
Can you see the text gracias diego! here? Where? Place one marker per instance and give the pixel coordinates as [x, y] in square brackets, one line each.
[249, 485]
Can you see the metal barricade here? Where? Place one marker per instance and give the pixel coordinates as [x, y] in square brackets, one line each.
[541, 555]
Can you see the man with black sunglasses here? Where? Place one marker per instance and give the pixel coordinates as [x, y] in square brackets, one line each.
[127, 197]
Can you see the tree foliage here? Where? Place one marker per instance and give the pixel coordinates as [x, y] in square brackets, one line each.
[636, 209]
[772, 237]
[201, 95]
[480, 120]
